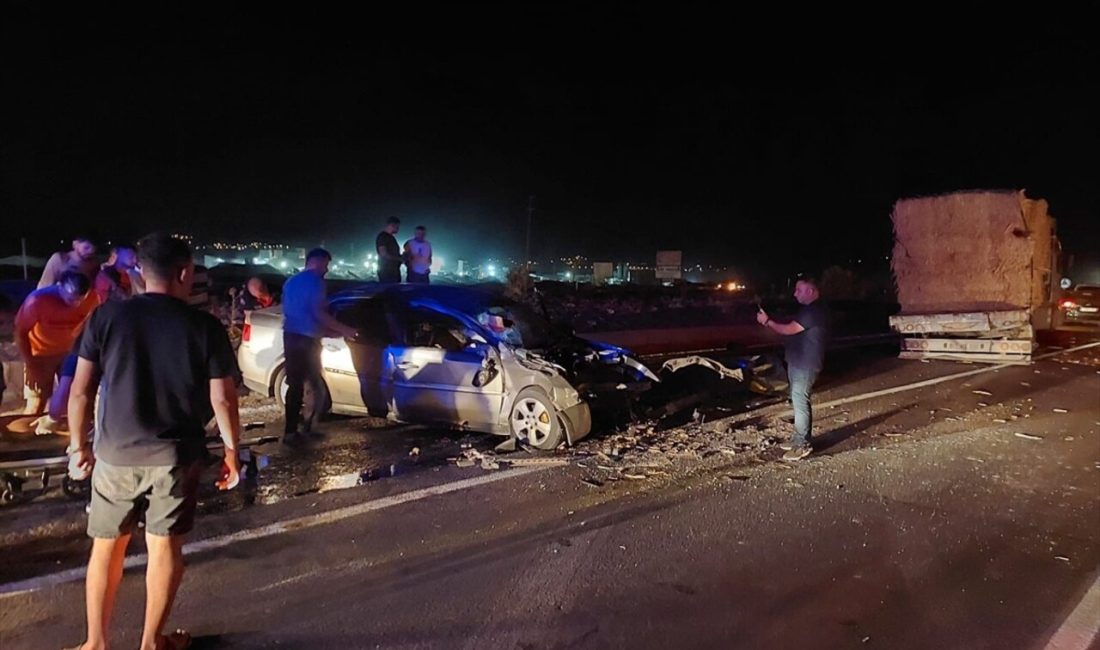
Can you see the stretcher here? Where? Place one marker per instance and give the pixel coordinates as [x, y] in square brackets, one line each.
[30, 465]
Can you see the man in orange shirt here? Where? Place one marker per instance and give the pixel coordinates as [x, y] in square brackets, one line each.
[46, 328]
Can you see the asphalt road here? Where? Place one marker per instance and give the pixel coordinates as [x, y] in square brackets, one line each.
[936, 517]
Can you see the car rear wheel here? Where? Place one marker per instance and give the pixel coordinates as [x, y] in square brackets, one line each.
[279, 388]
[534, 420]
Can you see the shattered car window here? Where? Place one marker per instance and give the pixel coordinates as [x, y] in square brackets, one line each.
[518, 325]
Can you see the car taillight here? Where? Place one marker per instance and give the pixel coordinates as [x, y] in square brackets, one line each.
[246, 333]
[1067, 304]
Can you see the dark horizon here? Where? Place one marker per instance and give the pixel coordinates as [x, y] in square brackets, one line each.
[243, 127]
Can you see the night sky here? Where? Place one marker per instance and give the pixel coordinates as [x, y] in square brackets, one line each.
[740, 140]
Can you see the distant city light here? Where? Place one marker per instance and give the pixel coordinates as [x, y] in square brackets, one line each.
[282, 264]
[568, 275]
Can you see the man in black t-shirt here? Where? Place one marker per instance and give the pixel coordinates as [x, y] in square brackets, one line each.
[804, 339]
[160, 367]
[389, 253]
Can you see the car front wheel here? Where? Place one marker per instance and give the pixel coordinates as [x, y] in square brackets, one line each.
[534, 420]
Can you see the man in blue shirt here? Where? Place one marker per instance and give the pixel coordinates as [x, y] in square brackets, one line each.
[306, 322]
[804, 339]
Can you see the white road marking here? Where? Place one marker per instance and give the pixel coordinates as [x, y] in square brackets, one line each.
[277, 528]
[1082, 625]
[940, 380]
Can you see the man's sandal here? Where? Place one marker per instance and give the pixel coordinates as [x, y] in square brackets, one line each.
[177, 640]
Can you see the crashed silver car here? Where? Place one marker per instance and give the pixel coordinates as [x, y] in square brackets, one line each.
[452, 356]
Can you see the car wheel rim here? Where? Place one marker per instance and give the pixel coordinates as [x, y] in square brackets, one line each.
[531, 421]
[283, 388]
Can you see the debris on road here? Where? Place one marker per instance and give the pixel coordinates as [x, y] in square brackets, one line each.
[645, 451]
[471, 457]
[1061, 411]
[1028, 436]
[982, 392]
[533, 462]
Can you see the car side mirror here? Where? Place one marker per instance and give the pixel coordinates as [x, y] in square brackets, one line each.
[487, 373]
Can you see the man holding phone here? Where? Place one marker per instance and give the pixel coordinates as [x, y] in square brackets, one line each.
[804, 340]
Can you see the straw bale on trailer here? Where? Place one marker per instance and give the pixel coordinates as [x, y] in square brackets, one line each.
[970, 251]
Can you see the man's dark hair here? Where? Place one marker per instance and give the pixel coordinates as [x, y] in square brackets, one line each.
[318, 253]
[163, 255]
[392, 220]
[76, 280]
[809, 279]
[421, 228]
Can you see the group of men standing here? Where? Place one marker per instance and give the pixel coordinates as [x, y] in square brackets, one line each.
[416, 255]
[123, 337]
[306, 320]
[51, 318]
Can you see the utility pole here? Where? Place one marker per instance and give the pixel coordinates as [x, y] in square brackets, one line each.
[527, 249]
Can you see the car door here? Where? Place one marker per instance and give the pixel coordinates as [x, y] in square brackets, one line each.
[441, 375]
[340, 375]
[352, 370]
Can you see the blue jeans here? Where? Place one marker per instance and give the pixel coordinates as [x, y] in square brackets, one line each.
[801, 380]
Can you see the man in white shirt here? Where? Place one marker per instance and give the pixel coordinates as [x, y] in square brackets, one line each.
[418, 257]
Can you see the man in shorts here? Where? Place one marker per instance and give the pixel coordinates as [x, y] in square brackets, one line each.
[46, 328]
[163, 366]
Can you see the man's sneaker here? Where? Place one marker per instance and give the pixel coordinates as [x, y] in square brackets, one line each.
[787, 445]
[798, 453]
